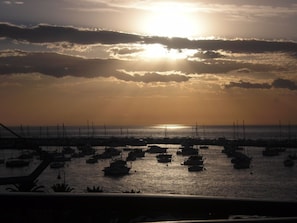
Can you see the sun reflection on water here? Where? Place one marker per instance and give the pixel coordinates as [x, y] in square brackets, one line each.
[170, 126]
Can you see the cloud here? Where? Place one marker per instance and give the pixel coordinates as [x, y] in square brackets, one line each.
[284, 83]
[49, 34]
[153, 77]
[277, 83]
[52, 34]
[125, 50]
[248, 85]
[244, 71]
[58, 65]
[13, 2]
[208, 55]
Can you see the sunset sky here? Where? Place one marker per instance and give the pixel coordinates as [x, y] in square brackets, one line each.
[149, 62]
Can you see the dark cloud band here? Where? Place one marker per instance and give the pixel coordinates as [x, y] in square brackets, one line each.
[277, 83]
[50, 34]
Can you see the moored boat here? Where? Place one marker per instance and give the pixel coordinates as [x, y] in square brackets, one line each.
[270, 151]
[194, 160]
[289, 162]
[187, 151]
[164, 158]
[203, 147]
[92, 160]
[195, 168]
[117, 168]
[156, 149]
[242, 164]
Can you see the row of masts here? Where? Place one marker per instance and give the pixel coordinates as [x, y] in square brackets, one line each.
[61, 131]
[236, 130]
[90, 130]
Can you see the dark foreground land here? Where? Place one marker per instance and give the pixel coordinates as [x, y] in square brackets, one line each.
[63, 207]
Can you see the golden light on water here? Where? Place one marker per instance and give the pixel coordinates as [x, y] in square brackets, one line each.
[170, 126]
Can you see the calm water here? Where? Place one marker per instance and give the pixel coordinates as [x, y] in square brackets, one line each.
[267, 178]
[237, 131]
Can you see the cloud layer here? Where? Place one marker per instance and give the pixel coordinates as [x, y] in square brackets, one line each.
[51, 34]
[235, 58]
[277, 83]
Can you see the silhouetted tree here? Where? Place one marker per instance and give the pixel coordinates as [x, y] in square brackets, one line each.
[29, 186]
[95, 189]
[62, 187]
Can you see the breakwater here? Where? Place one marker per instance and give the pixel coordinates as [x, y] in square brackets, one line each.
[33, 143]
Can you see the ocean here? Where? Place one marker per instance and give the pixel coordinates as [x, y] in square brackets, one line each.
[236, 131]
[267, 177]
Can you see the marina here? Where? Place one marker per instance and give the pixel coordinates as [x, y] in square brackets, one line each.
[176, 164]
[264, 177]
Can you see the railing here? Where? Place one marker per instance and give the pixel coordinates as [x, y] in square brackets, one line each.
[103, 207]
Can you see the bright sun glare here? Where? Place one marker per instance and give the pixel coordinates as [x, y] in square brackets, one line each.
[170, 126]
[172, 20]
[158, 51]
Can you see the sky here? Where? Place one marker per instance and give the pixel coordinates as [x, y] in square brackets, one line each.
[210, 62]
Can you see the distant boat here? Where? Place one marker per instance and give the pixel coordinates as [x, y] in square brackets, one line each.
[131, 156]
[240, 160]
[203, 147]
[271, 151]
[292, 156]
[164, 158]
[242, 164]
[194, 160]
[195, 168]
[92, 160]
[230, 150]
[187, 151]
[289, 162]
[138, 152]
[117, 168]
[156, 149]
[135, 153]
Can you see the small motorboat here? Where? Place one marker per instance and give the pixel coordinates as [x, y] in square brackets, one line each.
[117, 168]
[164, 158]
[194, 160]
[195, 168]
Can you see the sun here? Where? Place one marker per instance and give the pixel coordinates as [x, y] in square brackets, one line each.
[158, 51]
[172, 20]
